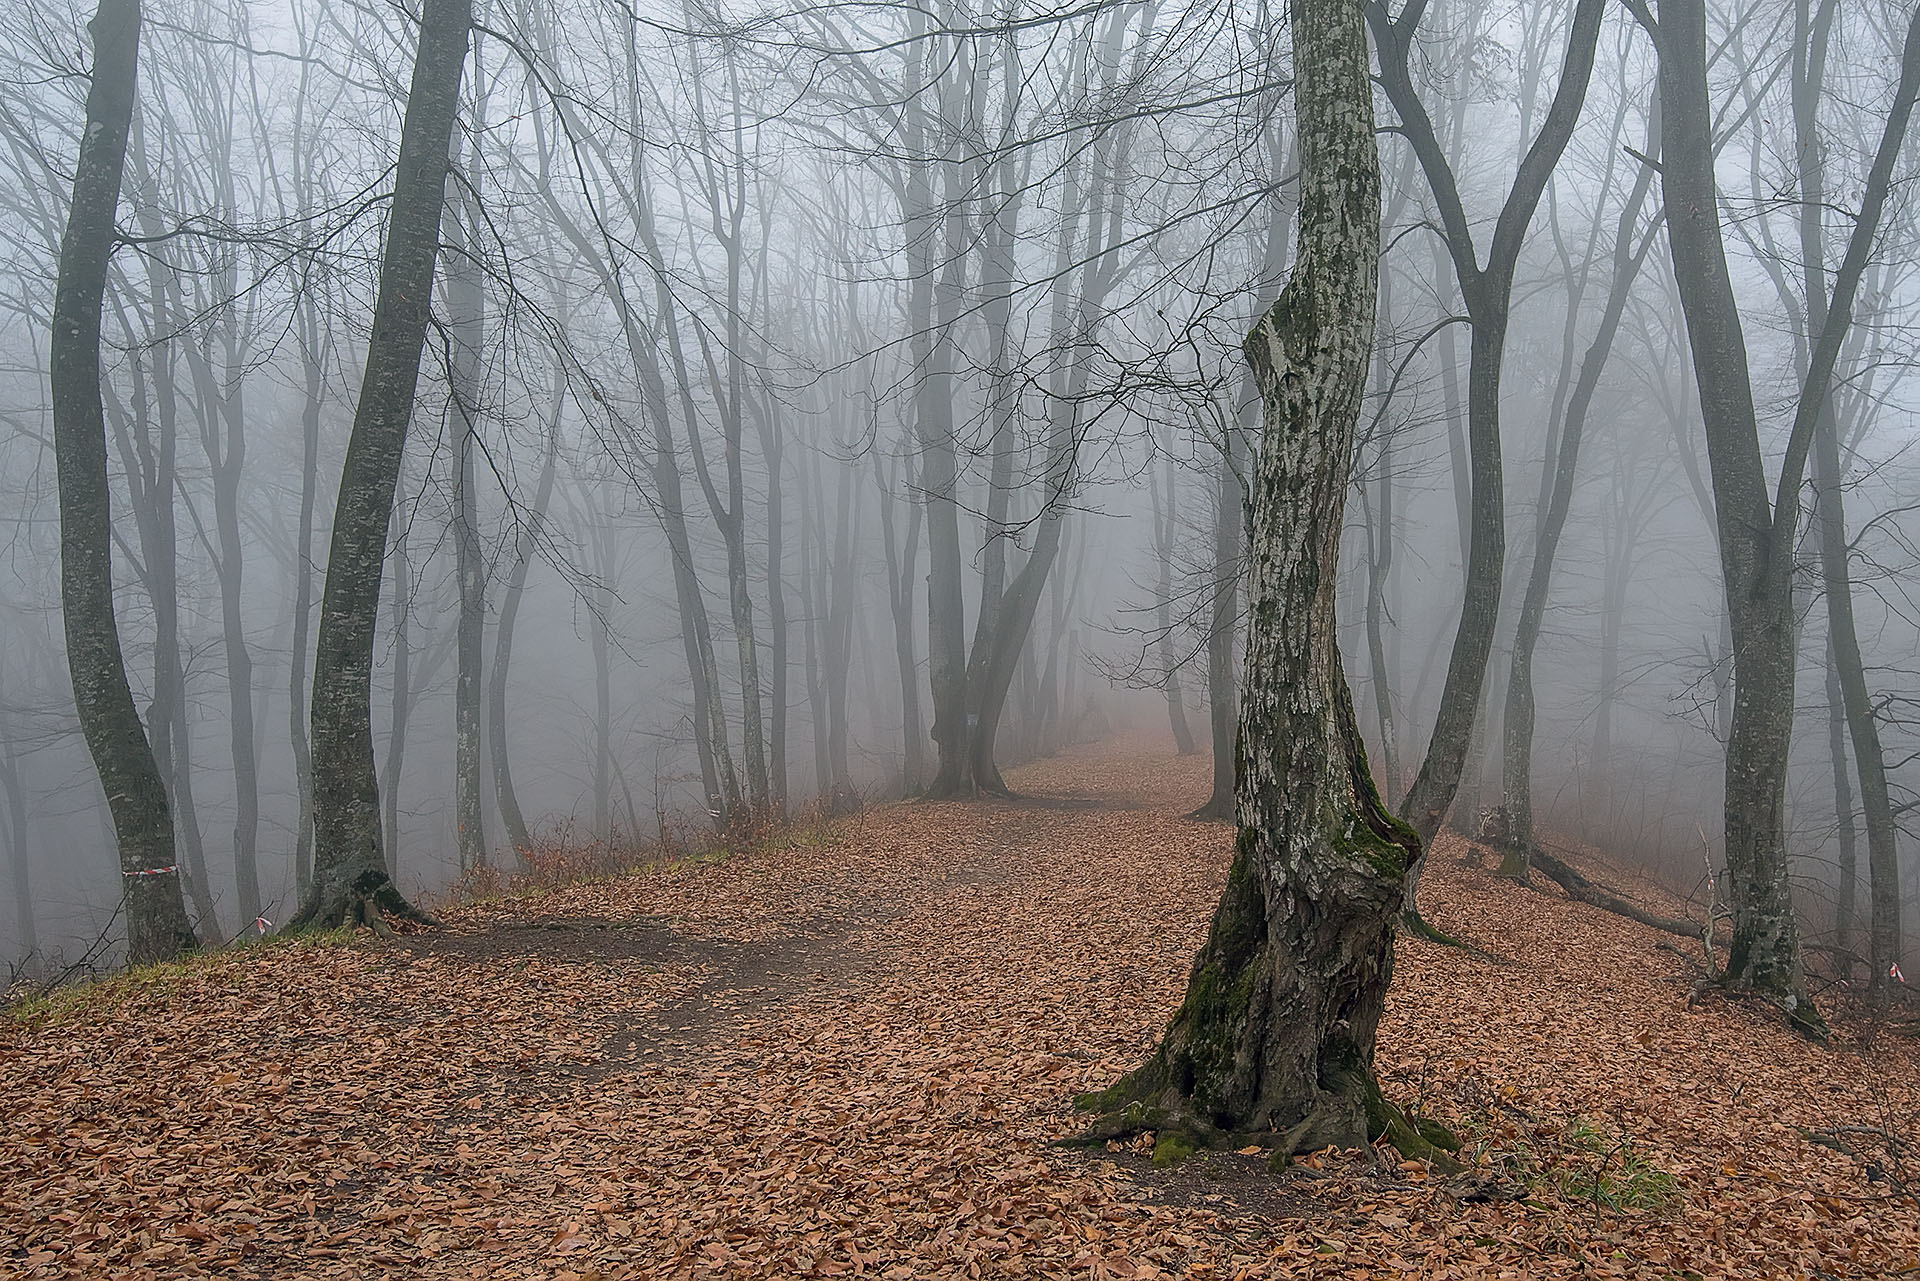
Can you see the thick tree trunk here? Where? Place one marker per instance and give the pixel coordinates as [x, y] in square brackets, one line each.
[136, 795]
[350, 879]
[1274, 1040]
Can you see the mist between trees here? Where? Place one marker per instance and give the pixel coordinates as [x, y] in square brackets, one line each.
[760, 410]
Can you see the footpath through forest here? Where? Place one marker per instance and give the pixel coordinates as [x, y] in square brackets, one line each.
[853, 1056]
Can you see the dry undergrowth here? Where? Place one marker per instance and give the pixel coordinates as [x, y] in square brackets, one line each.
[854, 1057]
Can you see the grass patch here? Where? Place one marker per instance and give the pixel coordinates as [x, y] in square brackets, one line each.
[1611, 1172]
[1579, 1159]
[37, 1006]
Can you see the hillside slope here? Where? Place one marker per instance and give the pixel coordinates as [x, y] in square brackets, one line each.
[853, 1057]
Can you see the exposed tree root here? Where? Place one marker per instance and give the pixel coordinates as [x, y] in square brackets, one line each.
[1216, 810]
[370, 899]
[1411, 922]
[1351, 1112]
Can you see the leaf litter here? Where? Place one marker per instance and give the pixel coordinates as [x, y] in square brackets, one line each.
[856, 1057]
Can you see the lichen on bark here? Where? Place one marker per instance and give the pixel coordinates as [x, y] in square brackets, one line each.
[1274, 1040]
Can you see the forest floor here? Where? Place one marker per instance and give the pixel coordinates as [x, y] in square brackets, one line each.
[854, 1055]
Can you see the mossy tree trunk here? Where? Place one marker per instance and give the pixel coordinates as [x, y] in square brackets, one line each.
[350, 878]
[1275, 1038]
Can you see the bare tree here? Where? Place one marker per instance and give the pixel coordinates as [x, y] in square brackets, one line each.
[350, 878]
[156, 914]
[1757, 533]
[1487, 291]
[1275, 1038]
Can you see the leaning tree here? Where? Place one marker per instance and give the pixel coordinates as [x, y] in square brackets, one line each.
[157, 926]
[1274, 1041]
[350, 878]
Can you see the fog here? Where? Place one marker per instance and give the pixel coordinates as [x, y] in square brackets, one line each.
[759, 331]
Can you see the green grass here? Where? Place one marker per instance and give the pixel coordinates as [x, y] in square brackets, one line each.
[1612, 1172]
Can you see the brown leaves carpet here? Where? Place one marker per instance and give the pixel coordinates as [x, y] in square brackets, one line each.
[852, 1057]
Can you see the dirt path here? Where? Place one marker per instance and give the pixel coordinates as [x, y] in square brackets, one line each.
[853, 1056]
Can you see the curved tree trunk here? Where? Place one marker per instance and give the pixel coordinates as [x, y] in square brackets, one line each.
[350, 879]
[1517, 771]
[1487, 291]
[156, 915]
[504, 794]
[1275, 1037]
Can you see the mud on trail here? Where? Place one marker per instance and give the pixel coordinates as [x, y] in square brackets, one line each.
[855, 1057]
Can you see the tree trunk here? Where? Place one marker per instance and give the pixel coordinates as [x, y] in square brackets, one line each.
[1168, 522]
[516, 587]
[400, 635]
[1757, 534]
[902, 560]
[223, 434]
[350, 879]
[157, 926]
[1229, 551]
[19, 848]
[1844, 657]
[464, 330]
[1487, 292]
[837, 656]
[1518, 723]
[311, 358]
[1274, 1040]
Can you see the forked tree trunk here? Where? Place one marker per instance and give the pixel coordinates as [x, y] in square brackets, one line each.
[1757, 533]
[1487, 291]
[350, 879]
[1275, 1038]
[136, 795]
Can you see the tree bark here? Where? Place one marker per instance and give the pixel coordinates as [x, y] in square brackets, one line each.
[1229, 559]
[350, 879]
[1275, 1038]
[1757, 534]
[1845, 660]
[465, 327]
[903, 557]
[1487, 292]
[157, 927]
